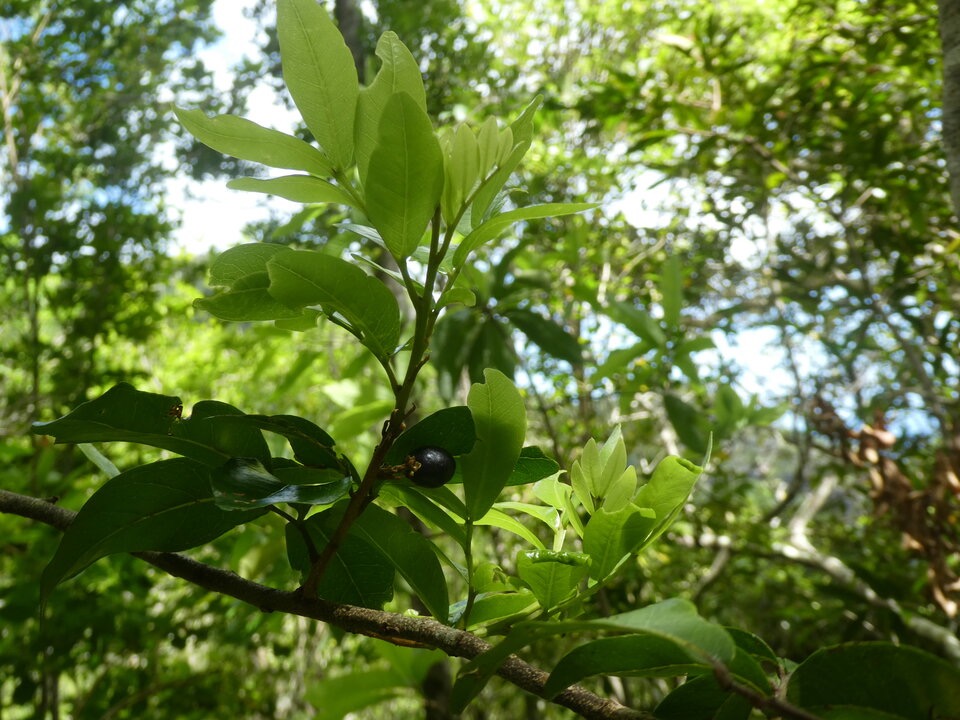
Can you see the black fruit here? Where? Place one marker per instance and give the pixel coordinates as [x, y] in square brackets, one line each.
[436, 467]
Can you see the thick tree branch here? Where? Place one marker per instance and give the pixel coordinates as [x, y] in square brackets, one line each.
[398, 629]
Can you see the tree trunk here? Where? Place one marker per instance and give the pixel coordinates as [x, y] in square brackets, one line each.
[950, 40]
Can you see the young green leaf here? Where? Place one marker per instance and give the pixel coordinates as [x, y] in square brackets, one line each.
[399, 72]
[300, 278]
[551, 580]
[501, 424]
[405, 175]
[165, 506]
[668, 489]
[489, 142]
[491, 228]
[610, 537]
[319, 72]
[297, 188]
[244, 139]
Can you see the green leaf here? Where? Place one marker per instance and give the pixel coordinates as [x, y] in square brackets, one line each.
[451, 428]
[124, 414]
[411, 554]
[610, 537]
[217, 425]
[668, 489]
[243, 484]
[491, 228]
[702, 697]
[496, 518]
[638, 655]
[420, 504]
[461, 170]
[501, 425]
[358, 574]
[902, 681]
[532, 466]
[244, 139]
[249, 299]
[489, 142]
[301, 278]
[237, 262]
[297, 188]
[334, 698]
[311, 445]
[638, 321]
[547, 335]
[686, 420]
[399, 72]
[405, 175]
[671, 290]
[551, 580]
[165, 506]
[319, 72]
[495, 607]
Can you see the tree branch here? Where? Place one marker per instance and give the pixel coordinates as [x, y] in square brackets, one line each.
[397, 629]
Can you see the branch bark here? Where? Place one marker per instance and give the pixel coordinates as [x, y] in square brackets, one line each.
[950, 41]
[398, 629]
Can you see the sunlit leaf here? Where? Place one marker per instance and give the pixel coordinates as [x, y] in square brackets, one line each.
[246, 140]
[501, 423]
[319, 72]
[405, 175]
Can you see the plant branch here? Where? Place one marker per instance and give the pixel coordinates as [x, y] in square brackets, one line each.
[396, 629]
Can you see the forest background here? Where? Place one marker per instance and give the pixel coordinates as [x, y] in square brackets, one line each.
[785, 190]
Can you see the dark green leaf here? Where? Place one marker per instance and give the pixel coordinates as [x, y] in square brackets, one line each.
[901, 681]
[701, 698]
[125, 414]
[359, 574]
[687, 422]
[166, 506]
[217, 425]
[243, 483]
[643, 655]
[411, 554]
[450, 428]
[547, 335]
[532, 466]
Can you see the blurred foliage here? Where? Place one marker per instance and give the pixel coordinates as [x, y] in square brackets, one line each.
[768, 170]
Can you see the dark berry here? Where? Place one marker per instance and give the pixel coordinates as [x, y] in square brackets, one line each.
[436, 467]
